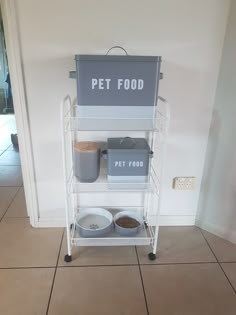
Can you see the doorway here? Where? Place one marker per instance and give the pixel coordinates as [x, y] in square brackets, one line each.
[16, 167]
[12, 204]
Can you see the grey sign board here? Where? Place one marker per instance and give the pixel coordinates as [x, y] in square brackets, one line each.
[117, 80]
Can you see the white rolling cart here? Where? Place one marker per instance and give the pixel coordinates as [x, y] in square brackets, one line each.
[144, 198]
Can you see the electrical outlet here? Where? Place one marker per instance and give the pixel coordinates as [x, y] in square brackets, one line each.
[184, 183]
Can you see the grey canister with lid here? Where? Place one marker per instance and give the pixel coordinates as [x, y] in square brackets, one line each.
[86, 161]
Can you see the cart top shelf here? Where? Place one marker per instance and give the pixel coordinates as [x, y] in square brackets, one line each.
[75, 120]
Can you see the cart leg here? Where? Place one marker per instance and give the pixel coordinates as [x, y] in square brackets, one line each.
[152, 255]
[68, 256]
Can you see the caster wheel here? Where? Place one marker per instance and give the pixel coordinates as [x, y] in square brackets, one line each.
[152, 256]
[68, 258]
[71, 226]
[145, 225]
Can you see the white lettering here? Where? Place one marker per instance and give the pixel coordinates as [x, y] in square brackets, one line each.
[94, 83]
[100, 84]
[136, 164]
[133, 84]
[120, 163]
[140, 84]
[108, 83]
[120, 82]
[126, 84]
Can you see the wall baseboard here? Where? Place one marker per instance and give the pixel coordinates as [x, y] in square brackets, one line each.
[218, 231]
[50, 223]
[165, 220]
[177, 220]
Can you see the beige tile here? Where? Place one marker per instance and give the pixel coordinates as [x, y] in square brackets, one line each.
[225, 251]
[230, 270]
[10, 175]
[188, 289]
[6, 196]
[98, 255]
[178, 245]
[10, 158]
[12, 148]
[24, 246]
[25, 291]
[18, 207]
[5, 143]
[98, 290]
[4, 119]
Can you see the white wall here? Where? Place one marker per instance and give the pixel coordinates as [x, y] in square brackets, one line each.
[187, 33]
[217, 204]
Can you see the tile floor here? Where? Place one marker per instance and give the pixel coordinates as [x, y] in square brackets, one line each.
[195, 273]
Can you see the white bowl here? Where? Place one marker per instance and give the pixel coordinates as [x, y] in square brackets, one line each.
[128, 231]
[94, 222]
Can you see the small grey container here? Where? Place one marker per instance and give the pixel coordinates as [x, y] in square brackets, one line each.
[127, 160]
[86, 161]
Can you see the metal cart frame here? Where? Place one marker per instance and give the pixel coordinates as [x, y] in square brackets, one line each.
[150, 193]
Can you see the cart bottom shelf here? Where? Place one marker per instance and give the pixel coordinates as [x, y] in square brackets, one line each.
[113, 239]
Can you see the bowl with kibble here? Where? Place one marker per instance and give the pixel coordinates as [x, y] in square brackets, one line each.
[127, 223]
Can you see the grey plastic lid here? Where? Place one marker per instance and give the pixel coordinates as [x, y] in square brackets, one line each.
[127, 143]
[117, 58]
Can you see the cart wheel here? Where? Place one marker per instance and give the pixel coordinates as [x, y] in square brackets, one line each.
[145, 225]
[71, 226]
[152, 256]
[68, 258]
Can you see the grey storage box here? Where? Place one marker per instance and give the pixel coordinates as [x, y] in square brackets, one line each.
[127, 160]
[117, 87]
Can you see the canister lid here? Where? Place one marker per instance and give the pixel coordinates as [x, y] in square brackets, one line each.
[86, 146]
[127, 143]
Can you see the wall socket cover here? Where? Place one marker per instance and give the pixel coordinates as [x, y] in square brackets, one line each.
[184, 183]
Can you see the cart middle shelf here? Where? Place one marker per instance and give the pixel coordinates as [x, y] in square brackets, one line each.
[102, 185]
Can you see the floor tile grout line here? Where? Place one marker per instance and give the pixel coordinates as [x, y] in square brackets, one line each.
[218, 262]
[3, 151]
[10, 186]
[141, 277]
[13, 186]
[209, 246]
[179, 263]
[227, 278]
[55, 272]
[10, 165]
[141, 264]
[10, 203]
[6, 122]
[120, 265]
[87, 266]
[58, 257]
[27, 267]
[15, 217]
